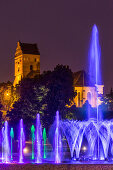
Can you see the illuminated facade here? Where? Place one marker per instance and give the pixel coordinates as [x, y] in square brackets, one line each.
[27, 64]
[27, 61]
[86, 91]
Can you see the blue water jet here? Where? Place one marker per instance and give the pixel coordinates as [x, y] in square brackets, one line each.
[94, 58]
[38, 140]
[5, 144]
[57, 141]
[94, 69]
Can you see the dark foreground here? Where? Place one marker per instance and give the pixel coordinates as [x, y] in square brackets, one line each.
[56, 167]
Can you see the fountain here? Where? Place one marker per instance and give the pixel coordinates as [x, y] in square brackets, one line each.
[94, 65]
[44, 139]
[94, 68]
[33, 139]
[38, 140]
[96, 131]
[76, 130]
[94, 58]
[21, 141]
[57, 141]
[92, 139]
[12, 137]
[5, 144]
[2, 144]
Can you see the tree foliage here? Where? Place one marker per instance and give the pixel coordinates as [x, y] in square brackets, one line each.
[31, 101]
[61, 91]
[45, 95]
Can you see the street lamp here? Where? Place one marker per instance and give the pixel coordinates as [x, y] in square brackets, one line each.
[84, 148]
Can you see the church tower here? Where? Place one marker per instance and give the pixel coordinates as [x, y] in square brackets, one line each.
[27, 61]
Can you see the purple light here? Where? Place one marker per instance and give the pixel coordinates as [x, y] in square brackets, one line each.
[5, 144]
[57, 140]
[21, 141]
[38, 140]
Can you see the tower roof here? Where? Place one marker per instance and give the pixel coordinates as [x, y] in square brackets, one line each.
[29, 48]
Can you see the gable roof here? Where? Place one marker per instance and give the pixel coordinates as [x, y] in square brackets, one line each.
[29, 48]
[81, 79]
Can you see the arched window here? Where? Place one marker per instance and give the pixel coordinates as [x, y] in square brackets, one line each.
[78, 99]
[31, 67]
[89, 97]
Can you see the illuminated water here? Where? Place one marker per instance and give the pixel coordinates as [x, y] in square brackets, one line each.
[21, 141]
[95, 71]
[57, 141]
[38, 140]
[44, 139]
[76, 131]
[12, 137]
[94, 58]
[71, 140]
[33, 140]
[5, 144]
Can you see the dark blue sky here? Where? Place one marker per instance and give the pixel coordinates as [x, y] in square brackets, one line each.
[62, 30]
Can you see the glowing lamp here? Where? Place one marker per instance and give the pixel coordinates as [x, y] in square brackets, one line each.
[84, 148]
[25, 150]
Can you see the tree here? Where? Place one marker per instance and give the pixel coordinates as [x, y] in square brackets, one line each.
[107, 105]
[45, 95]
[32, 101]
[61, 92]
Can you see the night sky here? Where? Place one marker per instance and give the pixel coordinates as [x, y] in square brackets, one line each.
[62, 30]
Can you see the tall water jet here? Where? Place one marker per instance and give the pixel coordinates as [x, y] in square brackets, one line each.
[2, 144]
[95, 71]
[94, 58]
[5, 144]
[57, 141]
[44, 139]
[12, 137]
[33, 139]
[94, 65]
[21, 141]
[38, 140]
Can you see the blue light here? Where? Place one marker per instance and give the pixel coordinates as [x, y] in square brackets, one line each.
[94, 58]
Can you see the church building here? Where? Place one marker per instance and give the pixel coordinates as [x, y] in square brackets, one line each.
[86, 91]
[27, 65]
